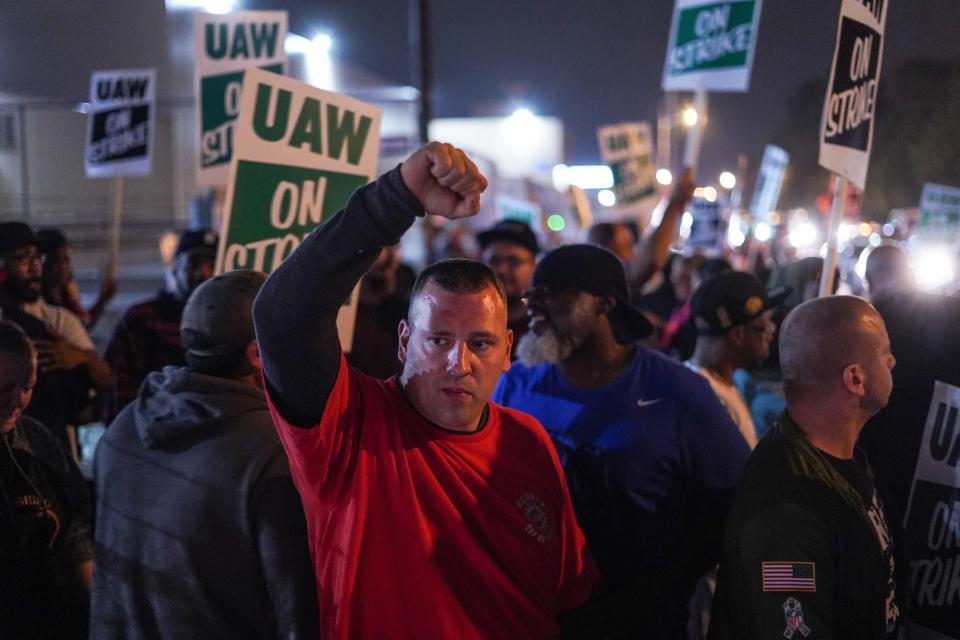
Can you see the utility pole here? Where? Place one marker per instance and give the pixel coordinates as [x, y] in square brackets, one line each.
[419, 42]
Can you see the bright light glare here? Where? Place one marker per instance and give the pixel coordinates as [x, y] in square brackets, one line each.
[664, 176]
[728, 180]
[888, 229]
[686, 224]
[735, 236]
[709, 194]
[846, 231]
[875, 240]
[585, 176]
[523, 114]
[698, 192]
[607, 198]
[295, 43]
[207, 6]
[556, 222]
[690, 117]
[802, 235]
[323, 42]
[933, 267]
[865, 228]
[762, 231]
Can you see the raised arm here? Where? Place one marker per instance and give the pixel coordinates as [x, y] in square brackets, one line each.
[654, 248]
[295, 313]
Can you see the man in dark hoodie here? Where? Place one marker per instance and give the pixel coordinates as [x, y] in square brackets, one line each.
[200, 532]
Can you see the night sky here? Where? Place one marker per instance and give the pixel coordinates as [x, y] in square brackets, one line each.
[599, 62]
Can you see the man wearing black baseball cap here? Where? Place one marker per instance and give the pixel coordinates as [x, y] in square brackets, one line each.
[194, 489]
[147, 336]
[650, 455]
[510, 248]
[733, 315]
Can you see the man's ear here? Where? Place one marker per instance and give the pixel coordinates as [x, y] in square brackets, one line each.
[403, 333]
[854, 379]
[252, 355]
[506, 359]
[607, 305]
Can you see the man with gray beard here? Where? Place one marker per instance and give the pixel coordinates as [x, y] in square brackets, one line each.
[651, 456]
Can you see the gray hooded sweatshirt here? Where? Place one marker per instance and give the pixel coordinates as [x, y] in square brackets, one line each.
[199, 530]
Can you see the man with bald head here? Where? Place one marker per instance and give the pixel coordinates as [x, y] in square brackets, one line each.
[808, 551]
[887, 272]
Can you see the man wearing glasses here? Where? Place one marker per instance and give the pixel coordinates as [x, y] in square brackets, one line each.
[69, 364]
[510, 248]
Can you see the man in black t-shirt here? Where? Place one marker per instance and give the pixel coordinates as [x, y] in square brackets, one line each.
[808, 549]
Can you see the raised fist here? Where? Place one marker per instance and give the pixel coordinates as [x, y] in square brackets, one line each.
[444, 180]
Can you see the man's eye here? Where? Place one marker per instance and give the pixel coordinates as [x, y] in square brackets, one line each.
[437, 342]
[482, 344]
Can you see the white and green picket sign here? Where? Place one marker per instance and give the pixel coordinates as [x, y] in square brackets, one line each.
[846, 132]
[300, 153]
[120, 125]
[711, 45]
[627, 148]
[226, 45]
[939, 213]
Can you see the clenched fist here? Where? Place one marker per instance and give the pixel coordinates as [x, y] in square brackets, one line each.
[444, 180]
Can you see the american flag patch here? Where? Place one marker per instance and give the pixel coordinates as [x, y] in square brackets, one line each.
[789, 576]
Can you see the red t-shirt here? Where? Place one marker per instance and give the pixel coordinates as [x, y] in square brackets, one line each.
[419, 532]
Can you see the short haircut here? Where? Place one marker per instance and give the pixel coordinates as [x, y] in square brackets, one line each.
[13, 341]
[458, 275]
[819, 338]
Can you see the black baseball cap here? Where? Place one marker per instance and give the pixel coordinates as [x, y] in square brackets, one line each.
[201, 241]
[513, 231]
[218, 316]
[731, 298]
[16, 235]
[586, 267]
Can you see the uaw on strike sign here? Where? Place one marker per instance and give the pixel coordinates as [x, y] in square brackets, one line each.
[711, 45]
[300, 153]
[850, 106]
[120, 123]
[226, 45]
[933, 521]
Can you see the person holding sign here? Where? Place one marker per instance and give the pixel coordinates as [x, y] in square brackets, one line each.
[808, 550]
[431, 512]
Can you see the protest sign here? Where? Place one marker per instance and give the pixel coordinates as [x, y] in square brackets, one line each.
[913, 445]
[120, 124]
[708, 229]
[939, 213]
[226, 45]
[933, 517]
[711, 45]
[766, 193]
[300, 153]
[848, 112]
[510, 208]
[627, 148]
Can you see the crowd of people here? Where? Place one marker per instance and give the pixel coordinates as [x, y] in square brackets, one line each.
[532, 444]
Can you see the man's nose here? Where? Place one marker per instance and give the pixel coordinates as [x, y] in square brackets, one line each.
[458, 360]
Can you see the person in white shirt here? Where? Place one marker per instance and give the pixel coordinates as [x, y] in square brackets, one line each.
[733, 315]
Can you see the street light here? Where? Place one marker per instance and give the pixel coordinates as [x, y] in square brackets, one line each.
[664, 176]
[322, 42]
[690, 117]
[728, 180]
[607, 198]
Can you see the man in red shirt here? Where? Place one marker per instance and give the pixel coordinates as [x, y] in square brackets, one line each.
[432, 513]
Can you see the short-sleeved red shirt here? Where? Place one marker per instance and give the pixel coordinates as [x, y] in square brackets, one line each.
[420, 532]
